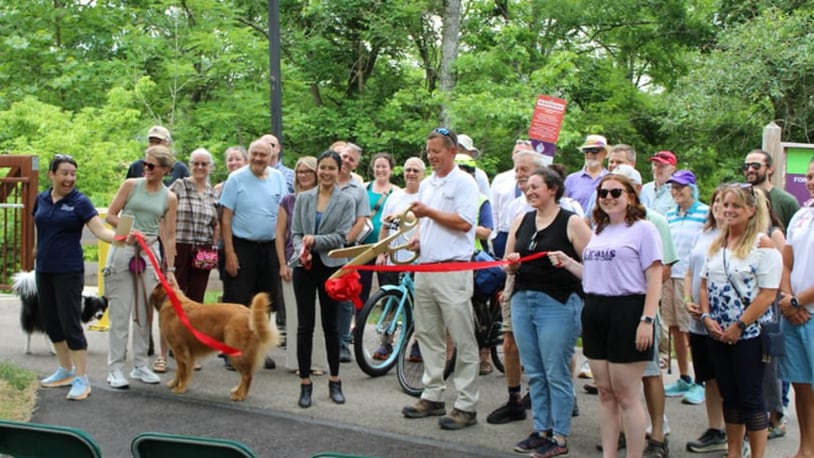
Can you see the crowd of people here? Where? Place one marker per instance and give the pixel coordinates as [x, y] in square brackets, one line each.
[628, 267]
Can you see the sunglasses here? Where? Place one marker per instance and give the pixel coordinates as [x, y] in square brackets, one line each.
[199, 164]
[752, 165]
[523, 142]
[442, 131]
[533, 242]
[592, 150]
[615, 193]
[150, 166]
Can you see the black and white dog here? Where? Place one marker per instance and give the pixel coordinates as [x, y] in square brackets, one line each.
[24, 285]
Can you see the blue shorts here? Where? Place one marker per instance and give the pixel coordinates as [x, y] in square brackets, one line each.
[798, 364]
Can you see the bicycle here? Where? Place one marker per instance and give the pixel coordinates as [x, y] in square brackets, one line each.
[488, 332]
[382, 323]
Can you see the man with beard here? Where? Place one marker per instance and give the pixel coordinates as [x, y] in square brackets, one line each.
[581, 184]
[758, 169]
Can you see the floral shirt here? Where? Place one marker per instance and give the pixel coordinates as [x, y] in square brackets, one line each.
[730, 278]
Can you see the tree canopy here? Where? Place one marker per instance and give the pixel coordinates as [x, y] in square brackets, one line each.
[697, 77]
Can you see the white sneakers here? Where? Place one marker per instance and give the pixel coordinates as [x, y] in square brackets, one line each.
[145, 375]
[116, 379]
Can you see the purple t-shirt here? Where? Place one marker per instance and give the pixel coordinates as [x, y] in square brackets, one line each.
[615, 260]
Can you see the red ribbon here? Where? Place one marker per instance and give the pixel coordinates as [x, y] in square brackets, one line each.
[348, 286]
[179, 309]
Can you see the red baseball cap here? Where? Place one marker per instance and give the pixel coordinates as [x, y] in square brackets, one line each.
[664, 157]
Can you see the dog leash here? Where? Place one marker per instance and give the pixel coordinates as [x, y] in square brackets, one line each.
[179, 309]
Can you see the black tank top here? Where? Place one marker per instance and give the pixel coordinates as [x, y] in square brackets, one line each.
[540, 274]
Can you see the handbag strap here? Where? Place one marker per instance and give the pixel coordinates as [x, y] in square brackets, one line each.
[380, 202]
[775, 317]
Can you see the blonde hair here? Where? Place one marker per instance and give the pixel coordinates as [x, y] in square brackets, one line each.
[310, 163]
[759, 222]
[162, 154]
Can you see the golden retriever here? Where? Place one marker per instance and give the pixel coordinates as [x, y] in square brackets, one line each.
[244, 328]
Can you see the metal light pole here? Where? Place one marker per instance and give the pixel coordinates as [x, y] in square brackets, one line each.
[275, 73]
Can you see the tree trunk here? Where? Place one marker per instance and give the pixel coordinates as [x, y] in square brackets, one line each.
[449, 52]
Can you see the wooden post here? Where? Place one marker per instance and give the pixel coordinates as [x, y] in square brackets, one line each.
[772, 144]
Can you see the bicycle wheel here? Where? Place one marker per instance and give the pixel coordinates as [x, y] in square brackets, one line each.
[410, 365]
[489, 327]
[410, 370]
[495, 332]
[380, 332]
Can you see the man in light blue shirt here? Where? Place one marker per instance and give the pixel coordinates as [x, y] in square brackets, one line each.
[251, 199]
[656, 194]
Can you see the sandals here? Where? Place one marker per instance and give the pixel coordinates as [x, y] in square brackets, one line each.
[160, 365]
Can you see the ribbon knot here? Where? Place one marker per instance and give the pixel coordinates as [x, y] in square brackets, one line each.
[346, 288]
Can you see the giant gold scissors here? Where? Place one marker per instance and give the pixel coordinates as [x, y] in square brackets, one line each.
[362, 254]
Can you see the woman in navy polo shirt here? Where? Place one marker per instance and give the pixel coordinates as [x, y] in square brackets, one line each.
[60, 214]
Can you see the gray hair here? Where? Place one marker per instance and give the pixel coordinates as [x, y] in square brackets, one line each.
[537, 159]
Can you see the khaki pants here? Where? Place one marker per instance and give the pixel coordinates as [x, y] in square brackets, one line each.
[443, 303]
[127, 295]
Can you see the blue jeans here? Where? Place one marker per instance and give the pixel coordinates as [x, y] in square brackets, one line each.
[546, 332]
[344, 316]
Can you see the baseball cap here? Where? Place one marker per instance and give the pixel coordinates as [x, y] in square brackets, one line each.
[628, 172]
[683, 177]
[664, 157]
[159, 132]
[465, 141]
[595, 141]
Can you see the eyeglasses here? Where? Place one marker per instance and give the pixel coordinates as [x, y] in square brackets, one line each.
[752, 165]
[411, 170]
[150, 166]
[592, 150]
[442, 131]
[305, 172]
[615, 193]
[199, 164]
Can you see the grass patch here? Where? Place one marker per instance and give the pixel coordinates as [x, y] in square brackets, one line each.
[18, 393]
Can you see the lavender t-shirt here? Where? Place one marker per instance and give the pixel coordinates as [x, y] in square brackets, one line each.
[614, 261]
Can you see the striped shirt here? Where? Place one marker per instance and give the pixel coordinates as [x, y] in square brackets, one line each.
[685, 229]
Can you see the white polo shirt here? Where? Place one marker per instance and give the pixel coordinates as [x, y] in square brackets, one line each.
[455, 193]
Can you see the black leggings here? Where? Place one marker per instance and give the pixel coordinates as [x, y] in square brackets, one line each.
[307, 284]
[739, 371]
[60, 302]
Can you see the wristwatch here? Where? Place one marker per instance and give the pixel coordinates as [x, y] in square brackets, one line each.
[647, 319]
[741, 325]
[794, 302]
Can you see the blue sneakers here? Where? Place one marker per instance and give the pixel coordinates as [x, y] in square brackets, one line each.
[679, 388]
[695, 395]
[80, 389]
[62, 377]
